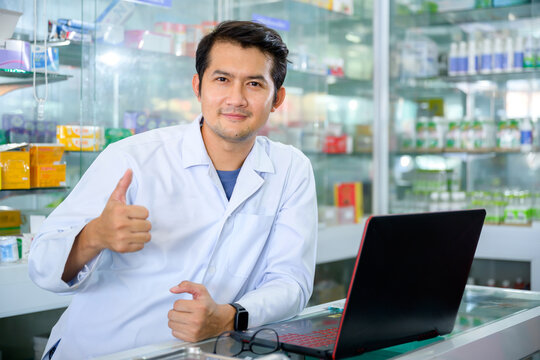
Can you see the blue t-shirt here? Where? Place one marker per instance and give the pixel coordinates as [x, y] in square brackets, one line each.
[228, 180]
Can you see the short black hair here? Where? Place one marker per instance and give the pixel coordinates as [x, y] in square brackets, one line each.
[246, 34]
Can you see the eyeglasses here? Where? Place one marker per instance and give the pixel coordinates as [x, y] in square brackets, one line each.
[231, 343]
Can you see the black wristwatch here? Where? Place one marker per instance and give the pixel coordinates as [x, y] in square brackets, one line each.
[241, 317]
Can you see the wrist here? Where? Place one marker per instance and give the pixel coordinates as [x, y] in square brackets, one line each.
[88, 238]
[228, 314]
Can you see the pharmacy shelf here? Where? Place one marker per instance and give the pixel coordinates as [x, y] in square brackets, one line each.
[21, 296]
[464, 154]
[34, 191]
[497, 242]
[14, 79]
[487, 15]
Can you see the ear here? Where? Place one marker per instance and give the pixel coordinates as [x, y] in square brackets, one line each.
[195, 84]
[279, 98]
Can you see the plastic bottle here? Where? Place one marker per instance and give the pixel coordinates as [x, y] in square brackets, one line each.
[498, 55]
[526, 135]
[462, 54]
[518, 54]
[487, 57]
[421, 133]
[515, 135]
[529, 56]
[471, 57]
[509, 54]
[453, 60]
[453, 136]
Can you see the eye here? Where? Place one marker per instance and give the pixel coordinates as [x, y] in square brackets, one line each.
[221, 79]
[254, 83]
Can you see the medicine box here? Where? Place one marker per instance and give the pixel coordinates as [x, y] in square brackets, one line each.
[51, 175]
[79, 138]
[139, 121]
[45, 154]
[350, 195]
[10, 218]
[15, 169]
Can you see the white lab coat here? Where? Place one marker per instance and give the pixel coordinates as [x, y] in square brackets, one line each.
[258, 249]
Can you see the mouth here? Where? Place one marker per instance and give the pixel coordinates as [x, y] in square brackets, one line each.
[235, 116]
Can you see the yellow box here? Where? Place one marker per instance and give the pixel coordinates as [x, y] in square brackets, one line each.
[78, 144]
[15, 169]
[43, 154]
[10, 218]
[78, 131]
[51, 175]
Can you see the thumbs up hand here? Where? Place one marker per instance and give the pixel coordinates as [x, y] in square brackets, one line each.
[120, 227]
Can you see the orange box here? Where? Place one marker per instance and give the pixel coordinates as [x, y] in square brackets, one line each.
[43, 154]
[15, 169]
[350, 194]
[50, 175]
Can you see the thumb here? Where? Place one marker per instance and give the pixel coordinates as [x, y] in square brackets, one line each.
[119, 193]
[197, 290]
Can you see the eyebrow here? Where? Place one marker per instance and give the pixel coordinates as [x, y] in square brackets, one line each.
[251, 77]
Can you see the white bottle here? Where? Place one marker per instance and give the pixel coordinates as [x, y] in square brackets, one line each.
[479, 47]
[487, 57]
[518, 54]
[526, 135]
[471, 57]
[498, 55]
[509, 55]
[462, 54]
[453, 60]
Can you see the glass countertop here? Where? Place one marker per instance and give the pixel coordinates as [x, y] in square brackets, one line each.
[481, 308]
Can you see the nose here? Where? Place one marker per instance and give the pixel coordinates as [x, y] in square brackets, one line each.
[236, 95]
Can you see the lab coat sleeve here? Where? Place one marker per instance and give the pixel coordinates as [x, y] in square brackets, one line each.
[286, 283]
[51, 246]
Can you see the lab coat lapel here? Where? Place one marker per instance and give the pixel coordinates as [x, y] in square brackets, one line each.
[250, 179]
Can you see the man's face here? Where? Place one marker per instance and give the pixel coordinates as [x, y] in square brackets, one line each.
[237, 92]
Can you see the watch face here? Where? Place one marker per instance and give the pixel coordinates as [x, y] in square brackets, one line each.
[242, 319]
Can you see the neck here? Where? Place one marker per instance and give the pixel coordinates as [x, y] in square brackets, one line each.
[226, 155]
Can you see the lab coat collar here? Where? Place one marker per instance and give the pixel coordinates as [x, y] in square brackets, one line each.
[194, 152]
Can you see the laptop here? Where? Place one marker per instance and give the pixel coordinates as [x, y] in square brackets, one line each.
[407, 284]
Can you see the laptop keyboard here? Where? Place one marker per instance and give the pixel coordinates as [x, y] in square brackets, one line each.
[313, 339]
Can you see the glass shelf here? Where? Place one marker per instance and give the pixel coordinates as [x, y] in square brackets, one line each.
[16, 79]
[461, 152]
[20, 77]
[337, 85]
[33, 191]
[509, 13]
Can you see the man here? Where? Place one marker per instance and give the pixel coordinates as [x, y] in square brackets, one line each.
[186, 231]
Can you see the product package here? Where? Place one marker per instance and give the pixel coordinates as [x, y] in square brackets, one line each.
[40, 56]
[46, 169]
[116, 134]
[15, 55]
[51, 175]
[80, 138]
[350, 195]
[15, 163]
[139, 121]
[44, 154]
[10, 221]
[18, 128]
